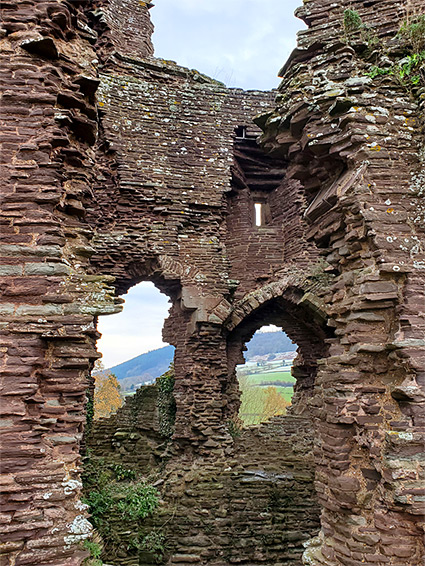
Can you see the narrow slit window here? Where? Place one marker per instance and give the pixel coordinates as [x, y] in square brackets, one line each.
[259, 216]
[240, 132]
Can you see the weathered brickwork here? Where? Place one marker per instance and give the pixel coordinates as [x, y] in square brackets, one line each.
[255, 502]
[49, 123]
[118, 167]
[355, 143]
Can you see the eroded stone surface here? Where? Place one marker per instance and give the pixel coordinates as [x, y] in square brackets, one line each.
[256, 501]
[118, 167]
[356, 144]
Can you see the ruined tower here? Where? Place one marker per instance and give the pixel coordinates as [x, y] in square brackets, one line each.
[118, 167]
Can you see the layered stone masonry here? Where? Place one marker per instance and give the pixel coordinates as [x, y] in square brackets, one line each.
[256, 502]
[94, 202]
[355, 143]
[49, 299]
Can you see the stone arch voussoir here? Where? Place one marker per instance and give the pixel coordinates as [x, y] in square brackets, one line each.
[292, 287]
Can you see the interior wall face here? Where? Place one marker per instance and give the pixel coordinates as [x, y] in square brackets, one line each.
[356, 145]
[119, 167]
[256, 502]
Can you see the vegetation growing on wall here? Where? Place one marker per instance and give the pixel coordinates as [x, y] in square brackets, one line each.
[95, 548]
[116, 496]
[407, 68]
[154, 543]
[354, 26]
[166, 402]
[352, 21]
[412, 30]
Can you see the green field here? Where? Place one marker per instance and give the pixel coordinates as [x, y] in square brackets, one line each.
[255, 391]
[258, 378]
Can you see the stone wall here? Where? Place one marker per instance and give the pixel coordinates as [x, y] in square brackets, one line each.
[255, 503]
[119, 167]
[49, 123]
[132, 436]
[355, 143]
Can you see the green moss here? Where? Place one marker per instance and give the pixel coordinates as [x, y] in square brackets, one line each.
[166, 402]
[318, 277]
[98, 474]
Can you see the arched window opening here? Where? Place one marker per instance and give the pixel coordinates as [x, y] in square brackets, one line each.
[132, 347]
[301, 338]
[265, 380]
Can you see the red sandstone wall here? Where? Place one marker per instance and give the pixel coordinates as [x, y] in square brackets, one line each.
[355, 145]
[91, 193]
[169, 134]
[64, 182]
[258, 501]
[49, 300]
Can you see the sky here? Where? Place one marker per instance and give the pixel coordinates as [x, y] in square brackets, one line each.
[243, 43]
[135, 330]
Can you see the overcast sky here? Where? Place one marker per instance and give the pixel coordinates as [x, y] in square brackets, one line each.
[137, 329]
[242, 43]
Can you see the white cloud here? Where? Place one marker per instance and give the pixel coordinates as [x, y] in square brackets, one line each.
[137, 329]
[269, 328]
[243, 43]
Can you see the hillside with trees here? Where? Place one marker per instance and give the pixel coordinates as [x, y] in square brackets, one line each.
[144, 368]
[264, 343]
[147, 367]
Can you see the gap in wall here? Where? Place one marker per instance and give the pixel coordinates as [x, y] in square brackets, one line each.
[131, 342]
[265, 379]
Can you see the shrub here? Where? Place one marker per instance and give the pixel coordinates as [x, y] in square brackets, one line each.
[97, 473]
[235, 427]
[352, 21]
[259, 404]
[125, 502]
[155, 543]
[115, 498]
[413, 31]
[121, 473]
[94, 547]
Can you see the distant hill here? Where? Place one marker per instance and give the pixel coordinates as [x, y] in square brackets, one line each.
[151, 365]
[145, 367]
[264, 343]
